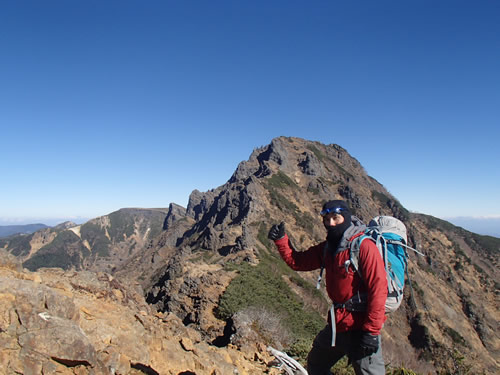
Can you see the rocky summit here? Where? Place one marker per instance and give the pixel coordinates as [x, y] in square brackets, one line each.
[201, 290]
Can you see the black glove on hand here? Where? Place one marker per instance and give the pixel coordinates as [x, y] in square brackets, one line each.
[368, 344]
[277, 231]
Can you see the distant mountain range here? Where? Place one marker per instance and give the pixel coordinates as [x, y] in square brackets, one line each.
[487, 226]
[98, 245]
[8, 230]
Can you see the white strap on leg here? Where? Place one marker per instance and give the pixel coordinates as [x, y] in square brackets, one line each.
[333, 324]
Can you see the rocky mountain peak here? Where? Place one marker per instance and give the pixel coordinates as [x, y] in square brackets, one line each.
[65, 225]
[175, 213]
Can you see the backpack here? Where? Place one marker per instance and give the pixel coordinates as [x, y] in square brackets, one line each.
[389, 235]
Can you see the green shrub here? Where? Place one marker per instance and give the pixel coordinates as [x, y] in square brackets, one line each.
[479, 269]
[263, 286]
[120, 223]
[346, 174]
[279, 200]
[316, 152]
[304, 220]
[262, 235]
[65, 251]
[386, 201]
[315, 191]
[342, 367]
[300, 348]
[455, 336]
[437, 223]
[381, 197]
[280, 180]
[277, 182]
[416, 288]
[400, 371]
[458, 266]
[490, 244]
[96, 237]
[307, 286]
[19, 245]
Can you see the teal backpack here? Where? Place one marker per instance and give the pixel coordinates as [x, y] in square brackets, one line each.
[389, 235]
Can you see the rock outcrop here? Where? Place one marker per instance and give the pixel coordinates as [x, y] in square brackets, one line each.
[68, 322]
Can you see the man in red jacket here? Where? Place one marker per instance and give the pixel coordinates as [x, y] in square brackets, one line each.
[352, 333]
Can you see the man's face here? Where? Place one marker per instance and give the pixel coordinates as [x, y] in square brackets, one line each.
[332, 219]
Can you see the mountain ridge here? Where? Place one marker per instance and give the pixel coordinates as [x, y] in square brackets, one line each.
[192, 265]
[9, 230]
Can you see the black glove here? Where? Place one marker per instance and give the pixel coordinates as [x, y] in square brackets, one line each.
[368, 344]
[277, 232]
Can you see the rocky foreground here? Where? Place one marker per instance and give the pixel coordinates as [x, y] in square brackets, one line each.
[67, 322]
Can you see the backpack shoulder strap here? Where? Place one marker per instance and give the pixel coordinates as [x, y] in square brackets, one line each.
[354, 249]
[320, 276]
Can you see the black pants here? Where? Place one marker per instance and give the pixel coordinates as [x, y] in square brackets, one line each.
[323, 356]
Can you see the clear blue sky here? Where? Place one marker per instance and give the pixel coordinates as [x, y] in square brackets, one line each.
[112, 104]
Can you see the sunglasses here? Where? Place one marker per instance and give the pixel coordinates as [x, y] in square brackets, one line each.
[336, 210]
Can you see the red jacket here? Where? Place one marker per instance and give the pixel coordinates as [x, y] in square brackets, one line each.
[341, 285]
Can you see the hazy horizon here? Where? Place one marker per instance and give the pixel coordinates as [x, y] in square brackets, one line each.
[488, 226]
